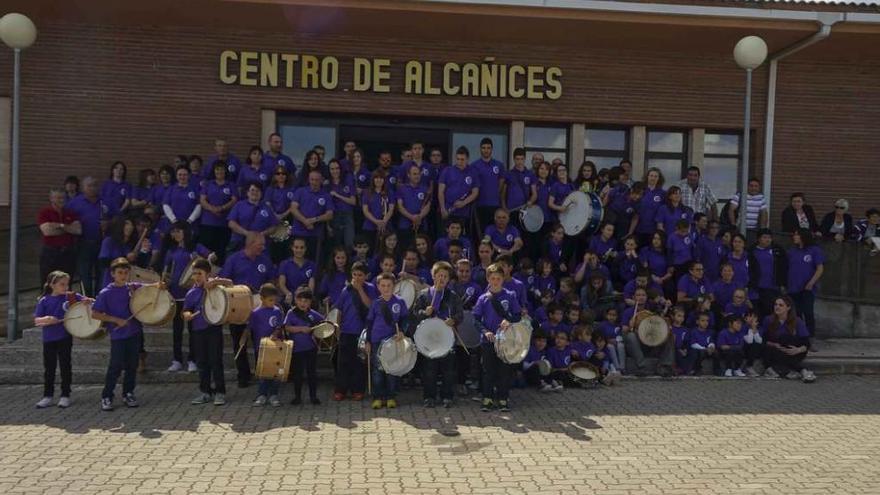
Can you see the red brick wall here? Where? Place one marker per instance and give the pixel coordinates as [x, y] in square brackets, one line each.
[94, 94]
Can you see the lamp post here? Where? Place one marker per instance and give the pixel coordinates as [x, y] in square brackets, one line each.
[749, 53]
[18, 32]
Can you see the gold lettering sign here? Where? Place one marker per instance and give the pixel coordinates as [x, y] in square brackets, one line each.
[483, 79]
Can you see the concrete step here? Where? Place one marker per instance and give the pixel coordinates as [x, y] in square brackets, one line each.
[153, 337]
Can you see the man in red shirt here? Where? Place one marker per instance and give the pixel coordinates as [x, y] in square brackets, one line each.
[59, 227]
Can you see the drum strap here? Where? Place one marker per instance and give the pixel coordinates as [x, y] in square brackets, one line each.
[71, 298]
[307, 317]
[499, 309]
[359, 305]
[386, 313]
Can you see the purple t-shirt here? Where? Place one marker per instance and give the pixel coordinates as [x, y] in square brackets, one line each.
[252, 217]
[710, 252]
[701, 337]
[741, 272]
[251, 272]
[764, 257]
[459, 183]
[362, 177]
[800, 329]
[264, 321]
[559, 191]
[217, 195]
[651, 202]
[733, 339]
[378, 327]
[233, 166]
[345, 188]
[611, 331]
[489, 173]
[484, 310]
[654, 260]
[182, 200]
[681, 336]
[176, 261]
[56, 306]
[502, 238]
[113, 194]
[377, 205]
[248, 175]
[351, 321]
[519, 185]
[114, 300]
[311, 204]
[89, 214]
[302, 342]
[669, 217]
[412, 197]
[723, 291]
[693, 288]
[424, 172]
[195, 301]
[110, 250]
[543, 189]
[279, 199]
[296, 275]
[331, 286]
[559, 358]
[270, 163]
[802, 265]
[680, 248]
[441, 248]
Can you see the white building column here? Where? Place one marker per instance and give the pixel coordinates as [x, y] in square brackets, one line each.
[638, 143]
[268, 125]
[576, 148]
[517, 139]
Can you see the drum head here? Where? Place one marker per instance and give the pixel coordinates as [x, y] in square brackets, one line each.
[577, 214]
[333, 316]
[583, 371]
[406, 290]
[653, 331]
[397, 357]
[434, 338]
[215, 306]
[185, 280]
[324, 330]
[79, 322]
[151, 305]
[143, 275]
[532, 218]
[512, 344]
[467, 330]
[544, 367]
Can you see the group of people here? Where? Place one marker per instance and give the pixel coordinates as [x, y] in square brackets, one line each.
[340, 233]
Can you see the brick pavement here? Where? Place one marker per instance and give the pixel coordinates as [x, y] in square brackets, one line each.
[646, 436]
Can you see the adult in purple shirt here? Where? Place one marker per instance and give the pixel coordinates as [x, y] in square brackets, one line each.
[494, 312]
[142, 193]
[296, 271]
[353, 304]
[311, 163]
[519, 184]
[166, 180]
[692, 285]
[505, 238]
[806, 264]
[274, 157]
[298, 323]
[116, 192]
[377, 205]
[651, 201]
[710, 251]
[90, 211]
[787, 342]
[385, 320]
[279, 194]
[560, 190]
[253, 171]
[544, 180]
[341, 187]
[417, 149]
[458, 188]
[218, 196]
[768, 266]
[222, 154]
[252, 267]
[312, 209]
[653, 257]
[490, 172]
[672, 211]
[413, 205]
[182, 200]
[250, 216]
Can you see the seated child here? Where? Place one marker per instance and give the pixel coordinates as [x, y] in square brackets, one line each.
[531, 370]
[753, 342]
[559, 357]
[702, 342]
[610, 329]
[684, 355]
[739, 304]
[730, 346]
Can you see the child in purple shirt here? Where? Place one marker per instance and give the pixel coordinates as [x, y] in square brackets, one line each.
[531, 365]
[298, 323]
[730, 346]
[207, 339]
[266, 321]
[559, 357]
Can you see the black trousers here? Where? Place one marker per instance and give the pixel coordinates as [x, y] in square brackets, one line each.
[766, 298]
[431, 368]
[242, 364]
[124, 355]
[486, 217]
[350, 370]
[215, 238]
[497, 375]
[53, 258]
[177, 329]
[731, 359]
[305, 364]
[752, 353]
[208, 345]
[781, 362]
[57, 352]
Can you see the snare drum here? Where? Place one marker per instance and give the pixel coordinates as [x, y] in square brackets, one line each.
[406, 290]
[78, 322]
[467, 330]
[652, 330]
[584, 373]
[273, 359]
[325, 334]
[152, 306]
[532, 218]
[143, 275]
[229, 305]
[434, 338]
[397, 357]
[512, 345]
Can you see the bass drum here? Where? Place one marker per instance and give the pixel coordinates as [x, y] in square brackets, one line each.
[228, 305]
[583, 212]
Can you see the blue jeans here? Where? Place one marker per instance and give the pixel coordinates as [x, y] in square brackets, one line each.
[268, 387]
[384, 385]
[123, 358]
[343, 228]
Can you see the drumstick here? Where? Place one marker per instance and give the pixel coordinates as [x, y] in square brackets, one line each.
[460, 341]
[244, 338]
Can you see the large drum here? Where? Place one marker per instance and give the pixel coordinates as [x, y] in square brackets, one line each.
[467, 330]
[229, 305]
[152, 306]
[406, 289]
[532, 218]
[512, 345]
[78, 322]
[434, 338]
[652, 330]
[273, 360]
[584, 373]
[397, 357]
[583, 211]
[143, 275]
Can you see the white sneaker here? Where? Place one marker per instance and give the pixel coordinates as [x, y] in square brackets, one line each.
[556, 386]
[274, 401]
[64, 402]
[793, 375]
[770, 373]
[191, 367]
[738, 372]
[44, 403]
[546, 387]
[175, 366]
[750, 371]
[808, 376]
[219, 399]
[260, 401]
[728, 372]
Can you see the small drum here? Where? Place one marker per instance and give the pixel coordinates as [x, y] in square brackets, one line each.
[512, 345]
[325, 334]
[467, 330]
[532, 218]
[583, 212]
[152, 306]
[406, 290]
[78, 322]
[652, 330]
[584, 373]
[434, 338]
[256, 302]
[185, 280]
[397, 357]
[362, 346]
[544, 367]
[143, 275]
[229, 305]
[273, 360]
[280, 232]
[334, 315]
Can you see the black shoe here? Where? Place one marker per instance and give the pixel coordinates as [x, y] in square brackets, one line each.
[244, 383]
[447, 403]
[429, 403]
[315, 401]
[296, 401]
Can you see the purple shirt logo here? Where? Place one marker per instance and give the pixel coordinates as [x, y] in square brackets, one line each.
[505, 304]
[122, 192]
[425, 172]
[686, 240]
[495, 169]
[290, 195]
[226, 191]
[65, 305]
[273, 321]
[261, 268]
[264, 213]
[321, 201]
[232, 168]
[509, 237]
[263, 177]
[808, 258]
[527, 180]
[421, 196]
[104, 208]
[657, 198]
[468, 180]
[395, 308]
[346, 190]
[191, 195]
[309, 273]
[469, 291]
